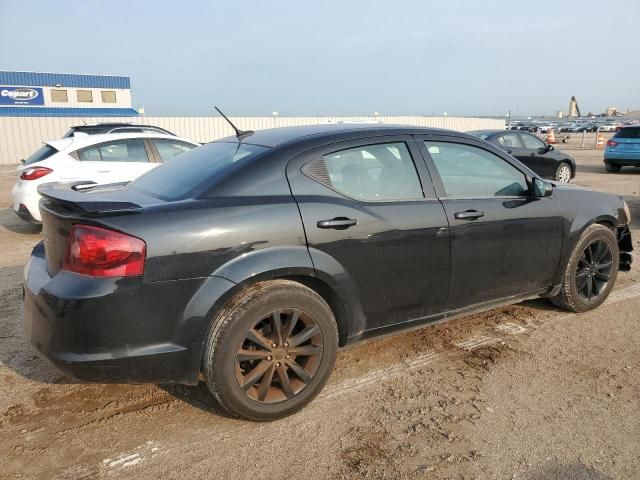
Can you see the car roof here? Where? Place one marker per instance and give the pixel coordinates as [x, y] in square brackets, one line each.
[111, 124]
[85, 141]
[275, 137]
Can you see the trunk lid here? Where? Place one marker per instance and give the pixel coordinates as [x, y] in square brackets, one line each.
[65, 204]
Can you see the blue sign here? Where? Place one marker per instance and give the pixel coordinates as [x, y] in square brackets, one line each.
[21, 96]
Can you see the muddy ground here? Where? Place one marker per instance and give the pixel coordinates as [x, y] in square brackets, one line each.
[523, 392]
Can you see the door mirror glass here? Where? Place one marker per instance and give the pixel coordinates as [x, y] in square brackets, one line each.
[542, 188]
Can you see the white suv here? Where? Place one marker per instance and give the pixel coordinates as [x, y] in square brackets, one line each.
[107, 158]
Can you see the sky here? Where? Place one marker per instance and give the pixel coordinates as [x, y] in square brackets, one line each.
[344, 57]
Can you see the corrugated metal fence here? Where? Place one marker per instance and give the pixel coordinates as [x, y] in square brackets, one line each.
[20, 136]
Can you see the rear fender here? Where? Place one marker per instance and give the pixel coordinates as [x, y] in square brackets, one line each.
[260, 265]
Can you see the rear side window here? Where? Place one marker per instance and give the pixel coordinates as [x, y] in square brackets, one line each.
[44, 152]
[532, 142]
[131, 150]
[203, 166]
[628, 133]
[380, 172]
[509, 140]
[167, 149]
[471, 172]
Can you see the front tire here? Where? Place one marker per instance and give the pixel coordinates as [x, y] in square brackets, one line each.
[591, 270]
[611, 167]
[563, 173]
[270, 350]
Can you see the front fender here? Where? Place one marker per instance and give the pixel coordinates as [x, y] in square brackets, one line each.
[582, 208]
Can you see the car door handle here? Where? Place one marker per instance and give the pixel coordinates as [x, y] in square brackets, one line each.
[338, 223]
[468, 215]
[509, 151]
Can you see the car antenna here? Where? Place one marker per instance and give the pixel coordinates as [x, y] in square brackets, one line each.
[239, 133]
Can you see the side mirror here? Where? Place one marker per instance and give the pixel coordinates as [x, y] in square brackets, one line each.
[541, 188]
[549, 147]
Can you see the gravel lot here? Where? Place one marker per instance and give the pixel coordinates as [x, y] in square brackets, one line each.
[524, 392]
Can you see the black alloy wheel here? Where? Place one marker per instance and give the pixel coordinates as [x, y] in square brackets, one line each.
[279, 356]
[270, 350]
[591, 270]
[594, 269]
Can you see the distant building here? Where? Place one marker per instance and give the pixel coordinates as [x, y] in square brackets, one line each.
[36, 94]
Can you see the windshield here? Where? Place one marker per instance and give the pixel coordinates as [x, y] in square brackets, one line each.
[44, 152]
[206, 165]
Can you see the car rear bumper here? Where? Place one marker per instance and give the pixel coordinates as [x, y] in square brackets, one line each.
[109, 330]
[622, 157]
[25, 202]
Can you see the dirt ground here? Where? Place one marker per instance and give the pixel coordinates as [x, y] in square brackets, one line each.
[522, 392]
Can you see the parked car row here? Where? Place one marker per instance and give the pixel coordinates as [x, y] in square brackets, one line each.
[570, 126]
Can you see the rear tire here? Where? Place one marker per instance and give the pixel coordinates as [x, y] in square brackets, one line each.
[611, 167]
[270, 350]
[591, 270]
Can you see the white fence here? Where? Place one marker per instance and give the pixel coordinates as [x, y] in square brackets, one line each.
[20, 136]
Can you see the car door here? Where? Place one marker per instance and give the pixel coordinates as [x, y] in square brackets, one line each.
[504, 241]
[120, 160]
[537, 156]
[367, 206]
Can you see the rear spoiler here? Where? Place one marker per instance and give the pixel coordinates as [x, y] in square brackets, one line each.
[87, 197]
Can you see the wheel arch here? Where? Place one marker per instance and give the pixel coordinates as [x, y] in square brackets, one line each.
[278, 263]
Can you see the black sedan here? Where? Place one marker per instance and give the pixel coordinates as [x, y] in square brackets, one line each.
[539, 156]
[252, 259]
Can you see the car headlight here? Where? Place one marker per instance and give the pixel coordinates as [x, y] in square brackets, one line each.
[627, 212]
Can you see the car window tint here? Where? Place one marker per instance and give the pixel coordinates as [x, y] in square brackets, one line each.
[468, 171]
[372, 173]
[509, 140]
[44, 152]
[199, 168]
[628, 133]
[532, 142]
[131, 150]
[167, 149]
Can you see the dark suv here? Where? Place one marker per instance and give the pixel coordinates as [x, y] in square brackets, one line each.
[252, 259]
[114, 127]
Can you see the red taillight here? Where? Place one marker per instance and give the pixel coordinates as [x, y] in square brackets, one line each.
[99, 252]
[611, 143]
[35, 173]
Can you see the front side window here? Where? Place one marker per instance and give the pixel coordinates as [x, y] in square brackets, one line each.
[85, 96]
[468, 171]
[59, 96]
[131, 150]
[509, 140]
[167, 149]
[532, 142]
[380, 172]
